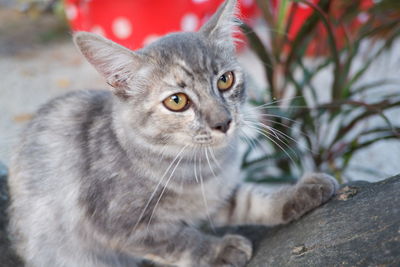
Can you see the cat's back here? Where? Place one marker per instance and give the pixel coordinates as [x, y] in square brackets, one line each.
[54, 139]
[44, 175]
[75, 109]
[66, 116]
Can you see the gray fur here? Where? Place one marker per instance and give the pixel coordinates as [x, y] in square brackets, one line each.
[108, 178]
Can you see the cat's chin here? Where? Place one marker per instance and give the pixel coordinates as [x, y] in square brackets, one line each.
[215, 143]
[191, 148]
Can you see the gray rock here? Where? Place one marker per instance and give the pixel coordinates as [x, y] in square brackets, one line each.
[360, 227]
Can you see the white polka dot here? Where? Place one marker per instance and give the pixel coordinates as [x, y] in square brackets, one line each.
[247, 3]
[149, 39]
[122, 28]
[303, 6]
[199, 1]
[189, 22]
[363, 17]
[71, 12]
[98, 30]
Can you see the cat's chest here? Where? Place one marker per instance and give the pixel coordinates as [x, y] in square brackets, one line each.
[200, 200]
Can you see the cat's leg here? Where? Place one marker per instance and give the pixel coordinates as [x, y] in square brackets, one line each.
[186, 246]
[255, 204]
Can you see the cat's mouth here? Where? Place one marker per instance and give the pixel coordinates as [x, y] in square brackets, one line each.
[212, 139]
[203, 139]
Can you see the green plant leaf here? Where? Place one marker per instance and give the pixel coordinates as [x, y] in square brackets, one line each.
[338, 80]
[285, 178]
[371, 109]
[301, 39]
[263, 54]
[373, 85]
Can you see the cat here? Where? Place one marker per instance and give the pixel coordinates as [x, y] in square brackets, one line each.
[108, 178]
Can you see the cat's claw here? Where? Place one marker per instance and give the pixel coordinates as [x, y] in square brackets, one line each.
[312, 190]
[235, 251]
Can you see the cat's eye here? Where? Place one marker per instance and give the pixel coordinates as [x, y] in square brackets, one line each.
[225, 81]
[177, 102]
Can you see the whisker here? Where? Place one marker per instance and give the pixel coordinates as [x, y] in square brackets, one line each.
[276, 143]
[282, 134]
[195, 167]
[165, 187]
[158, 184]
[209, 164]
[258, 116]
[276, 133]
[274, 102]
[253, 143]
[215, 159]
[205, 199]
[247, 139]
[256, 125]
[278, 123]
[284, 107]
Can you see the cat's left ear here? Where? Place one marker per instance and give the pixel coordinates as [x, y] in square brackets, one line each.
[116, 63]
[221, 27]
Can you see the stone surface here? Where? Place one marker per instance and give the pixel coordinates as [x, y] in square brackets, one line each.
[359, 227]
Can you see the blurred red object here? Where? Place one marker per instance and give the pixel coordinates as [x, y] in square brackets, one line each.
[135, 23]
[318, 46]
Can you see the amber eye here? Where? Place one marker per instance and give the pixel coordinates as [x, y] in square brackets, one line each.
[225, 82]
[177, 102]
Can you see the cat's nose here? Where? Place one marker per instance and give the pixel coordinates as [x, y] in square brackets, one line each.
[222, 126]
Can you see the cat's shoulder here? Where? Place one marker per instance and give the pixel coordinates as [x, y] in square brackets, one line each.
[82, 99]
[72, 109]
[76, 103]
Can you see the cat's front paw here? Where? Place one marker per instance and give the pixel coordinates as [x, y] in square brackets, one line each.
[235, 251]
[311, 191]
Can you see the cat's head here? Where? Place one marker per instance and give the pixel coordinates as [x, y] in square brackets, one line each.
[185, 89]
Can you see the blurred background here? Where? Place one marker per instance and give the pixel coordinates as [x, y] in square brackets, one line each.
[324, 75]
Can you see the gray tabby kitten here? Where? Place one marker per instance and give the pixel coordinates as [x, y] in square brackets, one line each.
[108, 178]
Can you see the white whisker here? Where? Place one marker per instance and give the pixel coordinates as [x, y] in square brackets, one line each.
[263, 133]
[205, 199]
[276, 133]
[284, 135]
[158, 184]
[208, 162]
[283, 125]
[215, 159]
[259, 116]
[274, 102]
[165, 186]
[250, 141]
[195, 167]
[256, 143]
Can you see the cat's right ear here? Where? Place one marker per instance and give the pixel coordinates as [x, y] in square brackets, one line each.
[221, 27]
[113, 61]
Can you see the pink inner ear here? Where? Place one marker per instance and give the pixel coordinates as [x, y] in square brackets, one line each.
[117, 82]
[119, 86]
[119, 89]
